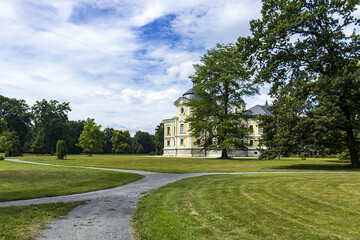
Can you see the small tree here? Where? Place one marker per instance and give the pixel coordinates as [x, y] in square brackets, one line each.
[159, 139]
[61, 149]
[5, 145]
[92, 138]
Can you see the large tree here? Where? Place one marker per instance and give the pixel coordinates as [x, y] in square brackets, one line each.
[220, 81]
[16, 113]
[49, 119]
[75, 128]
[309, 51]
[144, 142]
[108, 146]
[121, 142]
[91, 139]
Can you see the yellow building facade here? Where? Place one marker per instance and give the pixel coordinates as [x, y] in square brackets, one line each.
[178, 141]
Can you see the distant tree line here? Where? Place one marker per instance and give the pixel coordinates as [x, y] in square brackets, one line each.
[38, 128]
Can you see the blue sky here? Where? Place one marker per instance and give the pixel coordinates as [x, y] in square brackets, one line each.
[121, 62]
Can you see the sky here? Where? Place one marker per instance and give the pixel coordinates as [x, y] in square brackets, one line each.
[123, 62]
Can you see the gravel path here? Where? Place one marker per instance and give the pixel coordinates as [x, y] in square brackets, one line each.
[107, 213]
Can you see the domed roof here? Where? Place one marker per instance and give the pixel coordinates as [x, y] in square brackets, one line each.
[189, 94]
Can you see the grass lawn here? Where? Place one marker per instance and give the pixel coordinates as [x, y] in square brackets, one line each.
[276, 206]
[23, 222]
[185, 165]
[26, 181]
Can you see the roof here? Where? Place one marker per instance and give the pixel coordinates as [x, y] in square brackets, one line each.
[260, 110]
[189, 94]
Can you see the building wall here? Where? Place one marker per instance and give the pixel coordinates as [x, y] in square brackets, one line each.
[182, 144]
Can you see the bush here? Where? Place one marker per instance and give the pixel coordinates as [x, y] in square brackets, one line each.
[61, 149]
[344, 156]
[2, 156]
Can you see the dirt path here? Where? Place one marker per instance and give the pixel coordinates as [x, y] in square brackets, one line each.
[107, 213]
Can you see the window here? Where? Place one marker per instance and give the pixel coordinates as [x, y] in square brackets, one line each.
[255, 153]
[181, 128]
[168, 143]
[181, 142]
[182, 110]
[168, 130]
[260, 129]
[251, 143]
[251, 127]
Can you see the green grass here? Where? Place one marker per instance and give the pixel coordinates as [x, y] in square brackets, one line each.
[185, 165]
[26, 181]
[24, 222]
[277, 206]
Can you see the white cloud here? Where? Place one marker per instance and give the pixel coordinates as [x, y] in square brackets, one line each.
[102, 66]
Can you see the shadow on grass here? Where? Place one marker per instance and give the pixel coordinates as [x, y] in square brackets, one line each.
[324, 167]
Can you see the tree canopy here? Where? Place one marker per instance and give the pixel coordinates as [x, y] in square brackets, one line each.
[220, 81]
[121, 142]
[309, 51]
[91, 139]
[50, 119]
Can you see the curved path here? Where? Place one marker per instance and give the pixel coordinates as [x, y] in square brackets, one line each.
[107, 213]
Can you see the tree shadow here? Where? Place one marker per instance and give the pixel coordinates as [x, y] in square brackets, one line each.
[326, 167]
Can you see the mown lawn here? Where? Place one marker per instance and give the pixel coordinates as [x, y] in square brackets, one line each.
[266, 206]
[24, 222]
[26, 181]
[186, 165]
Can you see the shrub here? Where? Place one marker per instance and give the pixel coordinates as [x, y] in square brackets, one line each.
[2, 156]
[61, 149]
[344, 156]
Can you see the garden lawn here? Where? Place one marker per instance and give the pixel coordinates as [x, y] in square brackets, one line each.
[24, 222]
[26, 181]
[266, 206]
[186, 165]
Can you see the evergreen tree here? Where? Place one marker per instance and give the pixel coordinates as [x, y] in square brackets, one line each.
[61, 150]
[159, 139]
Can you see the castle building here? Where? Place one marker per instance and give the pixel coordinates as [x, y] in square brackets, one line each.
[178, 141]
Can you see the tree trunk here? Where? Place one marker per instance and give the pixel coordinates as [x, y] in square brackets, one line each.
[224, 154]
[353, 148]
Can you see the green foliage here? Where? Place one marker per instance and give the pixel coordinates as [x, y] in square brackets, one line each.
[159, 139]
[92, 138]
[61, 149]
[50, 118]
[75, 128]
[2, 156]
[145, 140]
[344, 156]
[16, 113]
[304, 49]
[140, 149]
[38, 142]
[5, 145]
[221, 81]
[121, 142]
[108, 146]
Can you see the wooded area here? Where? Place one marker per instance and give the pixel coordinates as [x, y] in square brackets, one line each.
[37, 129]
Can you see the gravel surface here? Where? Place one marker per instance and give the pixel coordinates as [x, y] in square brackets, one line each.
[107, 213]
